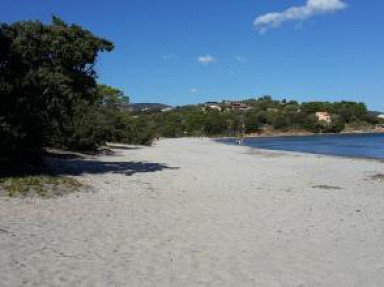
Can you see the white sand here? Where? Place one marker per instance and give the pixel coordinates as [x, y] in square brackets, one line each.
[222, 216]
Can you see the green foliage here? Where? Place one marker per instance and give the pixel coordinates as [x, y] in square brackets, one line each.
[172, 125]
[45, 72]
[215, 124]
[252, 121]
[311, 123]
[281, 122]
[263, 103]
[263, 112]
[108, 121]
[195, 122]
[337, 125]
[110, 96]
[313, 107]
[84, 131]
[373, 119]
[350, 111]
[142, 131]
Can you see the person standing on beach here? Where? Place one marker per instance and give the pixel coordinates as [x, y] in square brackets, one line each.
[240, 135]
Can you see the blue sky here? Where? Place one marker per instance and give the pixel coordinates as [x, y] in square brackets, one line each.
[189, 51]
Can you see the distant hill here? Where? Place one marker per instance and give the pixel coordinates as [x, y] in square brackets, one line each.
[375, 113]
[148, 107]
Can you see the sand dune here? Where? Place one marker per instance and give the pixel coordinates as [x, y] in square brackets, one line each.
[193, 212]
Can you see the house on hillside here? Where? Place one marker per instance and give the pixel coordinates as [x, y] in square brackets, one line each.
[324, 116]
[211, 106]
[148, 107]
[272, 110]
[166, 109]
[239, 107]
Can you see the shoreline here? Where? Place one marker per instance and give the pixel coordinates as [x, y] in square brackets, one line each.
[304, 134]
[299, 134]
[225, 140]
[289, 152]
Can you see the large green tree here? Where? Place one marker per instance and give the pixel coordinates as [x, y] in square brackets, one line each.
[46, 73]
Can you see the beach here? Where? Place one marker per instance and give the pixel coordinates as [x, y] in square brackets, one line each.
[195, 212]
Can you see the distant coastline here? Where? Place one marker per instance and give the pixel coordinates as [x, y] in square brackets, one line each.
[351, 145]
[272, 134]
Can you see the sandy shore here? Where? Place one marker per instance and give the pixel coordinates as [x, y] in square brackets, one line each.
[192, 212]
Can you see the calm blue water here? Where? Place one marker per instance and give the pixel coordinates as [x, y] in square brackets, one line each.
[360, 145]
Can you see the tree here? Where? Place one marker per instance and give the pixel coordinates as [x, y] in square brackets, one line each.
[173, 125]
[311, 123]
[251, 121]
[281, 122]
[194, 121]
[46, 73]
[215, 123]
[350, 111]
[110, 96]
[337, 125]
[314, 107]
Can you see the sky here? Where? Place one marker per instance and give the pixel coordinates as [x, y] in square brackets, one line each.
[181, 52]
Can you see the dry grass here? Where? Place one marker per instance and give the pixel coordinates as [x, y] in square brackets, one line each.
[378, 177]
[37, 185]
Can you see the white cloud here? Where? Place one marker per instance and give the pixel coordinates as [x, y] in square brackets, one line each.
[193, 90]
[298, 13]
[207, 59]
[169, 57]
[241, 59]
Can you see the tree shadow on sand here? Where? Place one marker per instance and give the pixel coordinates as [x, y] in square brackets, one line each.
[78, 167]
